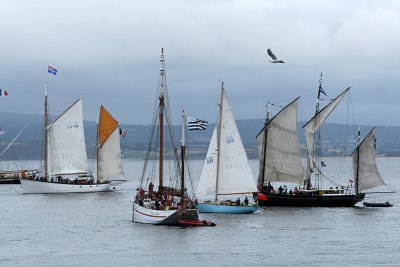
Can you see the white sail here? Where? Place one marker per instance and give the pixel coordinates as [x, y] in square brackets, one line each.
[110, 162]
[311, 127]
[234, 174]
[282, 152]
[364, 164]
[205, 189]
[66, 143]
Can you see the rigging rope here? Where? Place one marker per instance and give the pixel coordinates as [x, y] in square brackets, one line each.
[1, 154]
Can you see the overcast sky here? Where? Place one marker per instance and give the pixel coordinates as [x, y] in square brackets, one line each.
[108, 52]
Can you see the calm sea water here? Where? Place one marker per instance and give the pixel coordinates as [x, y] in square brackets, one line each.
[96, 230]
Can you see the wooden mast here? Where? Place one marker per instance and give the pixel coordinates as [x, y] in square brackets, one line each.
[219, 142]
[264, 150]
[46, 123]
[183, 155]
[317, 140]
[97, 149]
[161, 120]
[358, 161]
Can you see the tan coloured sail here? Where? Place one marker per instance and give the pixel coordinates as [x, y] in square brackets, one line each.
[282, 150]
[364, 164]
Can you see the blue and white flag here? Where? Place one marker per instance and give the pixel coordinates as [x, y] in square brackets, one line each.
[321, 90]
[196, 124]
[323, 164]
[51, 70]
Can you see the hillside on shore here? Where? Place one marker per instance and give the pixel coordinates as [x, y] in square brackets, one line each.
[337, 139]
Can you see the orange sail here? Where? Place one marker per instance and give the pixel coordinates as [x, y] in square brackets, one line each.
[107, 124]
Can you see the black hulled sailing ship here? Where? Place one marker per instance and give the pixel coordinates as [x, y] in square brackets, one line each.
[280, 161]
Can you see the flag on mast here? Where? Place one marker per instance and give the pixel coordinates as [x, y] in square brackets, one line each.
[122, 132]
[321, 90]
[52, 70]
[3, 92]
[196, 124]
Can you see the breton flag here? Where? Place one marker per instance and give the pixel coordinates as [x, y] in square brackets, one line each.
[323, 164]
[51, 70]
[3, 92]
[121, 132]
[196, 124]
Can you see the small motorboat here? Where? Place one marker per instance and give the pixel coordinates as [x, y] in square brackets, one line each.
[377, 204]
[186, 222]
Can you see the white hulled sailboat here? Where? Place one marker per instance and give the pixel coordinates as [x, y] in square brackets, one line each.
[66, 168]
[171, 203]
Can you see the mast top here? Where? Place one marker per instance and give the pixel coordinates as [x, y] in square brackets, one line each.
[162, 74]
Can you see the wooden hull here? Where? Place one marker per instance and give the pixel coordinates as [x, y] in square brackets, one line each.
[39, 187]
[325, 200]
[227, 209]
[7, 180]
[163, 217]
[12, 177]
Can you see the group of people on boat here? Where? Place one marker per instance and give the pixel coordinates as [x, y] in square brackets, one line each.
[162, 200]
[61, 180]
[283, 190]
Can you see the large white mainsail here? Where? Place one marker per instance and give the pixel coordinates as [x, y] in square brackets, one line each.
[66, 143]
[282, 160]
[364, 164]
[109, 149]
[229, 166]
[312, 126]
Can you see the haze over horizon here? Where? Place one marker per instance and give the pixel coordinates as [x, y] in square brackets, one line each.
[108, 52]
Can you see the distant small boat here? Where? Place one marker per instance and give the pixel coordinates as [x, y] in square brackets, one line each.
[377, 204]
[12, 177]
[196, 222]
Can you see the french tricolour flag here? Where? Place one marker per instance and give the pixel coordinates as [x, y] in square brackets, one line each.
[3, 92]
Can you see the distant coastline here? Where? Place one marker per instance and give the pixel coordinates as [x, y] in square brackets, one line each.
[29, 145]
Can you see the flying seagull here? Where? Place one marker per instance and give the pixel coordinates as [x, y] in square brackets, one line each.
[274, 59]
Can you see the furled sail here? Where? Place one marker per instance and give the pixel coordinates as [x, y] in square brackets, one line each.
[364, 164]
[312, 126]
[234, 175]
[282, 152]
[109, 151]
[66, 143]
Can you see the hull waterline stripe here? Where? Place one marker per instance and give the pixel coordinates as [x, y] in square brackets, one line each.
[154, 216]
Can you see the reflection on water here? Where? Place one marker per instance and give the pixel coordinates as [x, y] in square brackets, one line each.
[96, 229]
